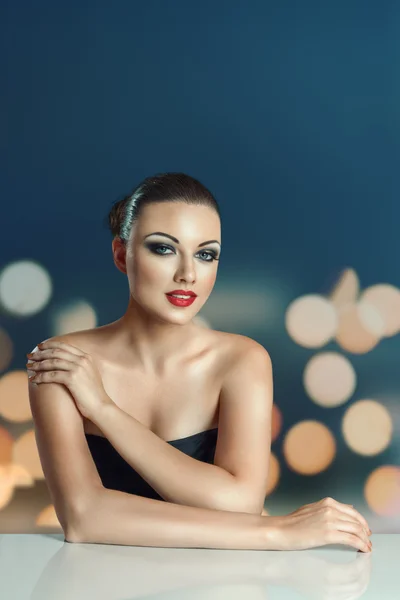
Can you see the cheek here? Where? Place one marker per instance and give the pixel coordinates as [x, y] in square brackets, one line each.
[211, 280]
[150, 272]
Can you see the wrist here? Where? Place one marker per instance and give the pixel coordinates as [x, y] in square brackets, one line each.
[273, 534]
[105, 408]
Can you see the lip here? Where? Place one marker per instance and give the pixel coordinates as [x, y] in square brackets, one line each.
[183, 293]
[181, 301]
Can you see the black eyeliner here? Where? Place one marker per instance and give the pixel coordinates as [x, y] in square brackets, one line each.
[154, 246]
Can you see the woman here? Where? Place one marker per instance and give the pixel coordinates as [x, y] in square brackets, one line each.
[153, 430]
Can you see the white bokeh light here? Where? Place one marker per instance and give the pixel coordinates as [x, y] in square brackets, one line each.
[311, 321]
[385, 298]
[76, 316]
[25, 288]
[361, 327]
[329, 379]
[367, 427]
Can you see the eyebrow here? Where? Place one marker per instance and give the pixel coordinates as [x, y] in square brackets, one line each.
[174, 239]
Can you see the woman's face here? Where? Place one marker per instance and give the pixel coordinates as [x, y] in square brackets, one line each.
[156, 264]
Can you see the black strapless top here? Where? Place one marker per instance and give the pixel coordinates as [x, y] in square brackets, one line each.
[117, 474]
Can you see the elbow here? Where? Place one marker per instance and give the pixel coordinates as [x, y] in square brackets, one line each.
[73, 531]
[71, 538]
[73, 526]
[83, 517]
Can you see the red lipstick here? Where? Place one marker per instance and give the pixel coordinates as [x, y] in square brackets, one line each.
[181, 301]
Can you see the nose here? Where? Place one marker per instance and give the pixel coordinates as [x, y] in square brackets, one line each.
[186, 272]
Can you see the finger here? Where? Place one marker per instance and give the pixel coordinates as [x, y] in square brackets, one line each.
[352, 512]
[49, 364]
[47, 344]
[348, 509]
[52, 353]
[352, 526]
[50, 377]
[348, 538]
[40, 355]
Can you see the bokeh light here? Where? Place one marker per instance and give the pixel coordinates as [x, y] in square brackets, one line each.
[367, 427]
[309, 447]
[329, 379]
[6, 350]
[20, 477]
[346, 290]
[360, 328]
[76, 316]
[277, 420]
[311, 321]
[6, 446]
[385, 298]
[6, 487]
[274, 472]
[14, 398]
[382, 490]
[11, 477]
[48, 517]
[25, 453]
[25, 288]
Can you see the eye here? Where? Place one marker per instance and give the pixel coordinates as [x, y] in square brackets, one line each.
[211, 254]
[157, 249]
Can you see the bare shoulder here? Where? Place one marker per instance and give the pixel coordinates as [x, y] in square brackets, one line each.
[237, 349]
[86, 340]
[227, 349]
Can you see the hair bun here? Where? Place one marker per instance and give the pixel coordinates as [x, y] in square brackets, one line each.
[116, 216]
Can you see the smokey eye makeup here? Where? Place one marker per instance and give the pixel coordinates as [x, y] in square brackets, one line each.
[160, 249]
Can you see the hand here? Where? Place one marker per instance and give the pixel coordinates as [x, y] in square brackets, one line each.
[321, 523]
[59, 362]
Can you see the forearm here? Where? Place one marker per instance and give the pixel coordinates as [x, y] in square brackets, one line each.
[125, 519]
[175, 476]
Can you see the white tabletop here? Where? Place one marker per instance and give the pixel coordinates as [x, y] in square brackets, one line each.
[45, 567]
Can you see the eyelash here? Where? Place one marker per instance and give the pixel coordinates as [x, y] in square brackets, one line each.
[155, 247]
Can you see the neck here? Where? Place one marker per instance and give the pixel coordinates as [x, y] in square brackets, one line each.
[150, 342]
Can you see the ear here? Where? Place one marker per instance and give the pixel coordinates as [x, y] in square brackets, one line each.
[119, 254]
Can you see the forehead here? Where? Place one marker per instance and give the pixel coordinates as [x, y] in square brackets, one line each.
[185, 221]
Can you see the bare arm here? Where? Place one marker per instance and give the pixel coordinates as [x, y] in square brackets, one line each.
[177, 477]
[238, 478]
[125, 519]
